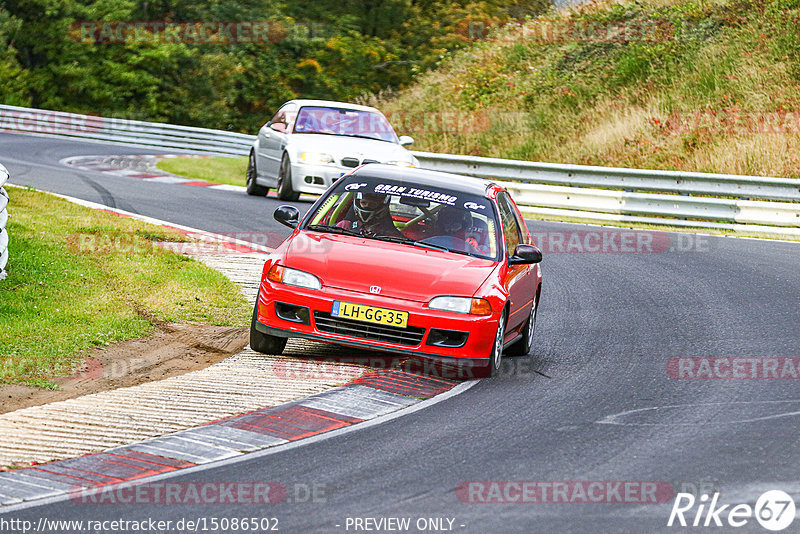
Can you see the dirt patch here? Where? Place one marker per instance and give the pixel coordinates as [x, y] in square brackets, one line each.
[174, 349]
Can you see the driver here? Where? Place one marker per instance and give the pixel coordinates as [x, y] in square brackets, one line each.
[372, 216]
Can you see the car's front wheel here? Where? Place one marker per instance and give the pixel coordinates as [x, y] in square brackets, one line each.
[264, 343]
[496, 356]
[285, 190]
[251, 185]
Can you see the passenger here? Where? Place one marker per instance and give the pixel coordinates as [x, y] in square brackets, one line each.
[457, 224]
[372, 216]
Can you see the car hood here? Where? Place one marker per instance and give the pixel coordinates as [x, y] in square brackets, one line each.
[340, 146]
[401, 271]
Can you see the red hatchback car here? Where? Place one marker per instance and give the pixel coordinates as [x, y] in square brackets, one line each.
[407, 261]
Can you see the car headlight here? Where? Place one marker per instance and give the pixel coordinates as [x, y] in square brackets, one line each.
[316, 158]
[293, 277]
[400, 163]
[461, 305]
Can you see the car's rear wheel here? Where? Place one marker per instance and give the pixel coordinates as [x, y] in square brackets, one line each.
[264, 343]
[252, 186]
[524, 345]
[285, 190]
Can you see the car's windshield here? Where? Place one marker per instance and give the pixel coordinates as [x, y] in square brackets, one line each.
[346, 122]
[411, 214]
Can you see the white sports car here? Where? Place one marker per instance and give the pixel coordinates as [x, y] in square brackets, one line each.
[309, 144]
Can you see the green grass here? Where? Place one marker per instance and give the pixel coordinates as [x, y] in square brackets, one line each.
[615, 102]
[81, 278]
[219, 170]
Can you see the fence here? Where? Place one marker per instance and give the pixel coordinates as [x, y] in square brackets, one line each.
[3, 221]
[723, 201]
[732, 202]
[155, 135]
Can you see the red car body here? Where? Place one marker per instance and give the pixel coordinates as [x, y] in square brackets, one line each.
[404, 277]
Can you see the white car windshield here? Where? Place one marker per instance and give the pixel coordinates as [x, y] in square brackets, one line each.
[345, 122]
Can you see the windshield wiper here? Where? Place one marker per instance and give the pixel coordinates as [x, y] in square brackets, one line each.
[332, 229]
[409, 241]
[423, 244]
[366, 137]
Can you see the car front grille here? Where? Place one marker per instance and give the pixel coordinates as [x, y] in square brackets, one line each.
[410, 336]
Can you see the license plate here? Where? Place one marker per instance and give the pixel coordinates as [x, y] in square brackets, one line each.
[369, 314]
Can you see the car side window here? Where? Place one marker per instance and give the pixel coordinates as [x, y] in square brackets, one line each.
[283, 119]
[510, 226]
[525, 234]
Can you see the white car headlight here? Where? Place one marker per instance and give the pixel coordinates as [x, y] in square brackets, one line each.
[293, 277]
[400, 163]
[320, 158]
[461, 305]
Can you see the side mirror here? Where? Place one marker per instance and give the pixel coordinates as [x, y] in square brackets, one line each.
[278, 127]
[287, 215]
[406, 140]
[525, 254]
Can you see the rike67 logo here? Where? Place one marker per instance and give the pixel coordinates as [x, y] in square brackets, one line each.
[774, 510]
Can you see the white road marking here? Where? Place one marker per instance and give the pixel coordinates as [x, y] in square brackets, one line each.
[615, 419]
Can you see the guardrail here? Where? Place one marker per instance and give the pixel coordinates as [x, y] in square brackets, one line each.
[155, 135]
[673, 198]
[3, 220]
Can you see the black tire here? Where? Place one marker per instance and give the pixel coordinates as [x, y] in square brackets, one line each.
[496, 356]
[264, 343]
[252, 187]
[524, 345]
[285, 191]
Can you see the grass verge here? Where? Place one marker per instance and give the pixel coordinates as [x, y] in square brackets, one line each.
[81, 278]
[218, 170]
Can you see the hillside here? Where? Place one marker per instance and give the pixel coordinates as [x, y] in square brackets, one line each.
[668, 84]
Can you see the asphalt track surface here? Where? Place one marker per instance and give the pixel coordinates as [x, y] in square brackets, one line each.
[607, 327]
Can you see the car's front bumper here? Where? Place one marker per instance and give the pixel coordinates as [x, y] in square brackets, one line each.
[475, 351]
[315, 178]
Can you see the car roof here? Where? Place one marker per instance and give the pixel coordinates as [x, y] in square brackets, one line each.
[330, 104]
[426, 177]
